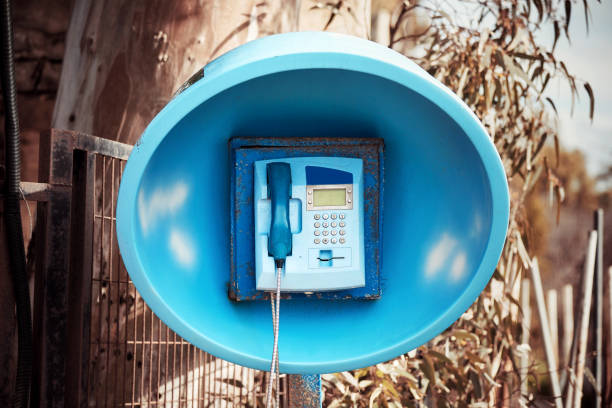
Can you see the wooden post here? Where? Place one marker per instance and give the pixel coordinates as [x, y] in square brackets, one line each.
[545, 326]
[575, 387]
[568, 322]
[515, 287]
[551, 301]
[524, 369]
[599, 286]
[381, 22]
[609, 342]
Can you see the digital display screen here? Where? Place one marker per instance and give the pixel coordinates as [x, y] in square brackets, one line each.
[334, 197]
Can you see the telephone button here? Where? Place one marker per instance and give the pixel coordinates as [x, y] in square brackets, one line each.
[325, 216]
[317, 224]
[342, 232]
[342, 240]
[325, 225]
[317, 216]
[334, 232]
[342, 224]
[317, 233]
[341, 216]
[334, 216]
[325, 240]
[334, 224]
[317, 241]
[325, 232]
[333, 240]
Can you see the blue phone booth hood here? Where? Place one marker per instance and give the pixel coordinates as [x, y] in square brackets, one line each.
[445, 201]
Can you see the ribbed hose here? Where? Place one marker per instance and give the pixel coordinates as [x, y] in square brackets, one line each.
[12, 213]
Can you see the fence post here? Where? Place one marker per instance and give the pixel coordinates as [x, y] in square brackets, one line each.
[568, 323]
[599, 286]
[553, 317]
[545, 326]
[574, 395]
[80, 274]
[51, 276]
[609, 342]
[526, 307]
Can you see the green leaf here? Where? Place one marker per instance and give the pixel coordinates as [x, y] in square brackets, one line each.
[475, 380]
[439, 356]
[586, 14]
[466, 335]
[538, 4]
[589, 90]
[375, 395]
[389, 387]
[550, 101]
[428, 370]
[568, 15]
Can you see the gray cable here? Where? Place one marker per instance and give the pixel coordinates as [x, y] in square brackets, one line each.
[274, 373]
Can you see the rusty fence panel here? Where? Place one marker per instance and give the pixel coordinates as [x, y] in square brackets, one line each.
[97, 343]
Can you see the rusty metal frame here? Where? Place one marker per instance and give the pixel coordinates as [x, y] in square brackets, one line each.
[63, 269]
[64, 251]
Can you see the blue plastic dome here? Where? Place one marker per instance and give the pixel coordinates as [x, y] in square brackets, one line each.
[445, 201]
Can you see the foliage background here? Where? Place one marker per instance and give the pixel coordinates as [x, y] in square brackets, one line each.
[491, 55]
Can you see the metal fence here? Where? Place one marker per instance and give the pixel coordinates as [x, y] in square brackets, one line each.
[97, 342]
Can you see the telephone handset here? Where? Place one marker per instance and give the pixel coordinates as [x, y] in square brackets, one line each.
[309, 210]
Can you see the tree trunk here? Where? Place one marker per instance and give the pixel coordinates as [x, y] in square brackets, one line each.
[124, 59]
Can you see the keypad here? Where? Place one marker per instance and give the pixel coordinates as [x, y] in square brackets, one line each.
[334, 229]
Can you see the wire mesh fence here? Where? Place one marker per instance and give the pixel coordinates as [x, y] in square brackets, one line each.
[135, 360]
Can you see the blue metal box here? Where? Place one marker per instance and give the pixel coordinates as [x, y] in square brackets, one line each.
[245, 151]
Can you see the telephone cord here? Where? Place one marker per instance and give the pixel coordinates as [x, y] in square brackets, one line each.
[274, 364]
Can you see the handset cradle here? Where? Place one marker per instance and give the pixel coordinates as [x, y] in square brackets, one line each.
[278, 176]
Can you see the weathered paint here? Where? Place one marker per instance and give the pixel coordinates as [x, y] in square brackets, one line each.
[244, 151]
[305, 391]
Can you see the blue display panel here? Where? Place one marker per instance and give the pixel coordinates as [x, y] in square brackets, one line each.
[317, 175]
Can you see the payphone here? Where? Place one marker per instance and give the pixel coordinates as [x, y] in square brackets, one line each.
[186, 208]
[318, 201]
